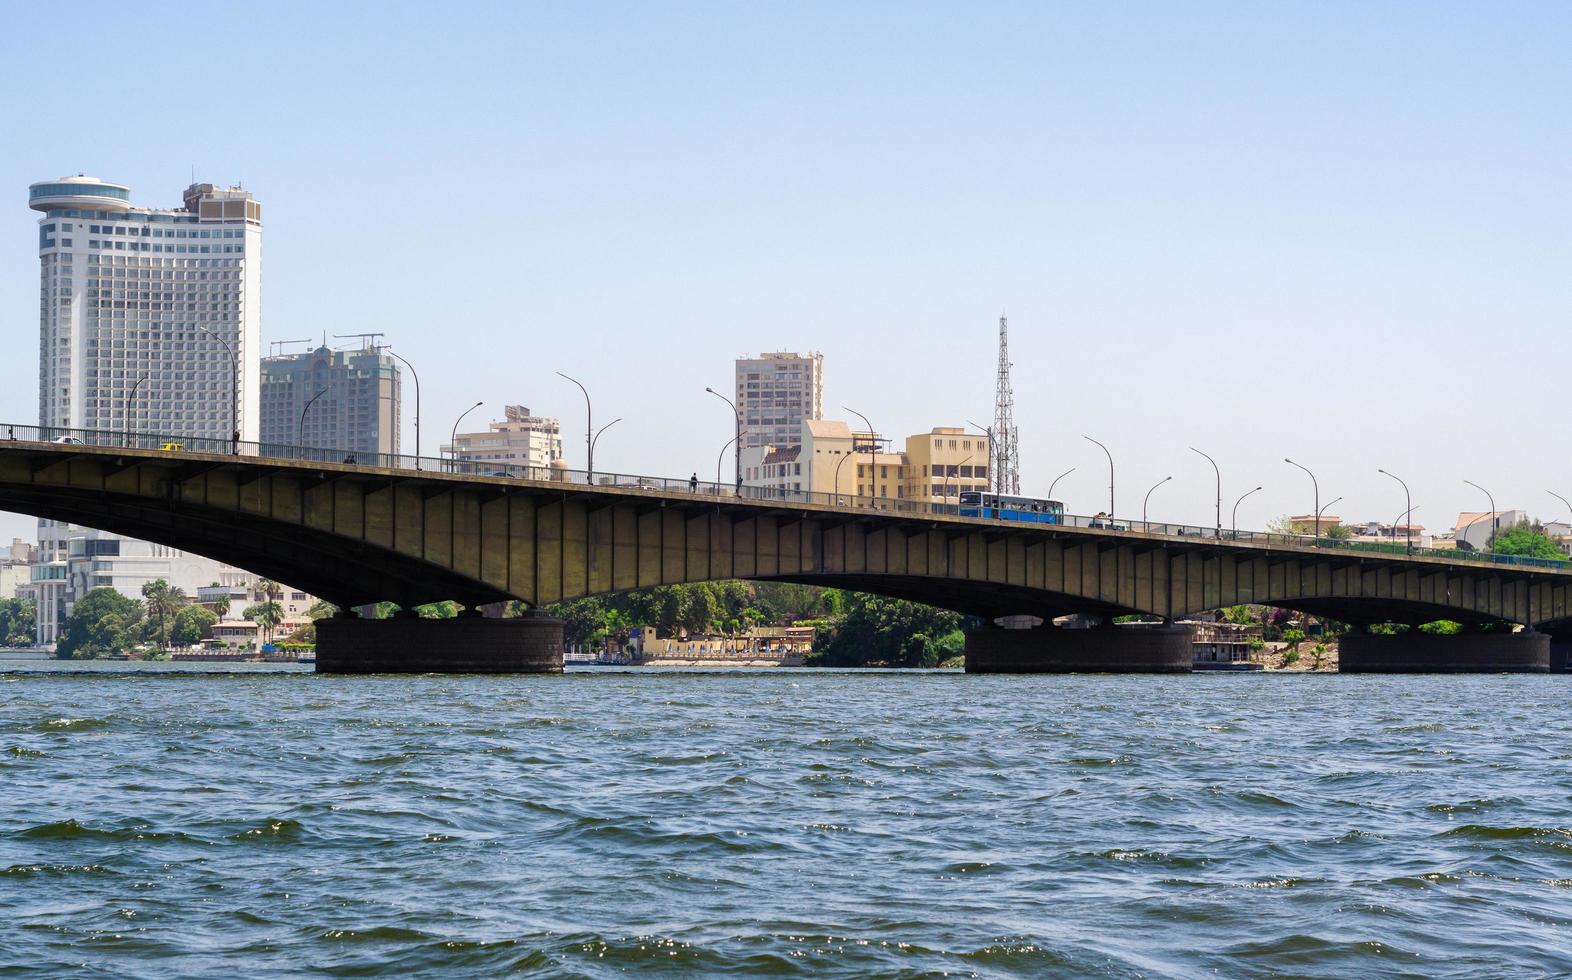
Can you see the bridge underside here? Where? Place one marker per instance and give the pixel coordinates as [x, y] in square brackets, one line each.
[357, 535]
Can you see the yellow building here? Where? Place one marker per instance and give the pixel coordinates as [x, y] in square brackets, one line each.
[937, 466]
[944, 462]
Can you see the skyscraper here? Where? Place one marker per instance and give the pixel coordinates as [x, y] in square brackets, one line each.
[358, 408]
[775, 393]
[149, 323]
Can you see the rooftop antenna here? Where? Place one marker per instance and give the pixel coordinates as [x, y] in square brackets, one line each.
[278, 345]
[367, 340]
[1006, 437]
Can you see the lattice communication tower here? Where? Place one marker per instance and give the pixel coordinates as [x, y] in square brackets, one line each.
[1006, 437]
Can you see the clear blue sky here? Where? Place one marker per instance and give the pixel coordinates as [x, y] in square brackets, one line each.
[1333, 231]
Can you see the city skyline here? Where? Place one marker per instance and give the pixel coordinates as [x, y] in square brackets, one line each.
[1293, 272]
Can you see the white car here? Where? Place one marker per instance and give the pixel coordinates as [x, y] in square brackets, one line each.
[70, 441]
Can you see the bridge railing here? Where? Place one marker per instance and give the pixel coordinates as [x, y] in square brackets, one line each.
[728, 491]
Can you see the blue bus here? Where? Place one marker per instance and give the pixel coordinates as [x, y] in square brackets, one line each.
[1004, 508]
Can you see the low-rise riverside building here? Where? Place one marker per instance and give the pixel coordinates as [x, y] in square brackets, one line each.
[831, 458]
[760, 646]
[520, 439]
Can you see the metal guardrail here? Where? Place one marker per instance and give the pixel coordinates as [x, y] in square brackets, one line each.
[441, 466]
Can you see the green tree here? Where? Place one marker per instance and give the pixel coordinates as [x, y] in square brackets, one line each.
[1527, 540]
[18, 622]
[163, 601]
[192, 625]
[221, 606]
[877, 631]
[1337, 532]
[266, 615]
[446, 609]
[1442, 627]
[322, 609]
[98, 625]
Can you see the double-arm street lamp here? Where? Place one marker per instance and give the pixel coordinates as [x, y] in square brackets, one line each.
[1148, 497]
[234, 407]
[1409, 523]
[453, 439]
[1110, 473]
[1219, 473]
[736, 415]
[417, 402]
[1236, 509]
[1317, 487]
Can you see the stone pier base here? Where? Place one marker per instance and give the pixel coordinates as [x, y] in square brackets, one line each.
[466, 645]
[1154, 649]
[1414, 652]
[1560, 655]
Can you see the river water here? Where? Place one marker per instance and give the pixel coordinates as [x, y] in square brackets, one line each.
[162, 821]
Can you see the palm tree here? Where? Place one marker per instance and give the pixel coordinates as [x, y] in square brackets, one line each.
[266, 615]
[221, 606]
[163, 601]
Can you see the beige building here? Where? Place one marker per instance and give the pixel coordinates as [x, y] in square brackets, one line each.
[831, 458]
[943, 463]
[520, 439]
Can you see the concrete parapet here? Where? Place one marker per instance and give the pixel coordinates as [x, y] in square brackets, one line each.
[1414, 652]
[466, 645]
[1154, 649]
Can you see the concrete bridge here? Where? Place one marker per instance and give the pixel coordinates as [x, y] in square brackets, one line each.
[357, 534]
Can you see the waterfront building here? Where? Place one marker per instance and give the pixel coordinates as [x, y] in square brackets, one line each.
[1474, 528]
[945, 462]
[828, 457]
[776, 393]
[1306, 523]
[354, 398]
[520, 439]
[150, 323]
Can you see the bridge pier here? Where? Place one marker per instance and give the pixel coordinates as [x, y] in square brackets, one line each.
[1137, 649]
[470, 644]
[1414, 652]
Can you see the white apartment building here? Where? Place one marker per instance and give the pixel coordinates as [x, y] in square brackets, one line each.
[150, 325]
[520, 439]
[776, 393]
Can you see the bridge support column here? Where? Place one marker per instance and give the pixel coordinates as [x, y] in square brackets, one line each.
[1145, 649]
[1414, 652]
[465, 645]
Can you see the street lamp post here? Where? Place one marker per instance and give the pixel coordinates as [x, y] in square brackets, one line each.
[1410, 502]
[1110, 473]
[993, 464]
[1219, 473]
[1236, 510]
[737, 417]
[1145, 526]
[234, 407]
[130, 398]
[718, 459]
[417, 403]
[301, 442]
[1057, 479]
[1494, 523]
[947, 476]
[1322, 510]
[1562, 499]
[453, 439]
[844, 457]
[873, 452]
[589, 429]
[1317, 487]
[596, 440]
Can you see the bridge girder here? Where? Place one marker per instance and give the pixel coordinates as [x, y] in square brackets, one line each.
[360, 534]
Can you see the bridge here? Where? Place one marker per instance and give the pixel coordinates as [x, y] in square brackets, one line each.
[409, 531]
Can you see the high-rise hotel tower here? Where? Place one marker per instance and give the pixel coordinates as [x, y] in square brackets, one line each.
[149, 319]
